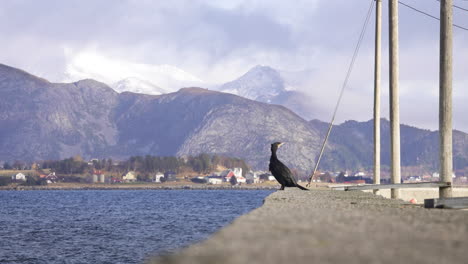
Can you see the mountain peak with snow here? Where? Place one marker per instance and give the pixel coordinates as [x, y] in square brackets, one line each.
[136, 85]
[268, 85]
[261, 83]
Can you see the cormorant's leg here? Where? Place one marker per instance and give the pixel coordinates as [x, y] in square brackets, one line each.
[282, 187]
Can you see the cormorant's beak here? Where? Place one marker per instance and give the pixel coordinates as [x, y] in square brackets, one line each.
[281, 144]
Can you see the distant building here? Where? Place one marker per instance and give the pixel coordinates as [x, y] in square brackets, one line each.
[157, 177]
[414, 179]
[98, 176]
[170, 176]
[19, 177]
[215, 180]
[129, 177]
[266, 176]
[241, 179]
[436, 175]
[226, 175]
[252, 177]
[51, 178]
[238, 172]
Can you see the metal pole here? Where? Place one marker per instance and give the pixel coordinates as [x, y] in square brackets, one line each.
[394, 102]
[377, 62]
[445, 97]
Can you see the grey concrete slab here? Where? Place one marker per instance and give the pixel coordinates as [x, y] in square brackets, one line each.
[324, 226]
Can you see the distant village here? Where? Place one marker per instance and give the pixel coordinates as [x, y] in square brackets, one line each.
[201, 169]
[232, 176]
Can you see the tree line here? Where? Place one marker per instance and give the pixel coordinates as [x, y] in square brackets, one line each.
[202, 163]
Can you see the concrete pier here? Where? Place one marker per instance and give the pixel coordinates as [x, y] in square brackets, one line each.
[324, 226]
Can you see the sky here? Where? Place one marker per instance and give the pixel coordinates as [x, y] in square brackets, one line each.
[206, 42]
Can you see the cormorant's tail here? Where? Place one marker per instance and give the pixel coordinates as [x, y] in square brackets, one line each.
[302, 188]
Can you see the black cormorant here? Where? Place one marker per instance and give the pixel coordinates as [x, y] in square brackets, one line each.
[282, 173]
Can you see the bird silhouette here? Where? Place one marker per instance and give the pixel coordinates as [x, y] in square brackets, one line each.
[281, 172]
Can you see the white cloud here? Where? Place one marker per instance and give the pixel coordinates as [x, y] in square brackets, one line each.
[90, 64]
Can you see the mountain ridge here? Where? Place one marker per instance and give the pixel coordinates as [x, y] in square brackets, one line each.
[418, 146]
[41, 120]
[89, 118]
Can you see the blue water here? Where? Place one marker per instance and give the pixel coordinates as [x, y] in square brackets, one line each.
[112, 226]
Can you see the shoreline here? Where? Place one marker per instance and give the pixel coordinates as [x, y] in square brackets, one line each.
[77, 187]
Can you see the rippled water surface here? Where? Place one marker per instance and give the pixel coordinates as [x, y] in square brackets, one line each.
[112, 226]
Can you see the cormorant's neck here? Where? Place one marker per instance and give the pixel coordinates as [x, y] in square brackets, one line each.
[273, 154]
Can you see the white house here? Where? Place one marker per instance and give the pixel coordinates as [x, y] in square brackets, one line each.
[130, 177]
[237, 172]
[240, 179]
[157, 177]
[215, 180]
[414, 179]
[19, 177]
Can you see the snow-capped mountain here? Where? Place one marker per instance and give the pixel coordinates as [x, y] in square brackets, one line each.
[110, 70]
[136, 85]
[265, 84]
[261, 83]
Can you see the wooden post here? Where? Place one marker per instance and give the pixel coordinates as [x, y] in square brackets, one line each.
[378, 34]
[445, 97]
[394, 102]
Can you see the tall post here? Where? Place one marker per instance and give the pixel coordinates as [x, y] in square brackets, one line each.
[394, 102]
[377, 62]
[445, 96]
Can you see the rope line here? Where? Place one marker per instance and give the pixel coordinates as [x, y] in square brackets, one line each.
[348, 74]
